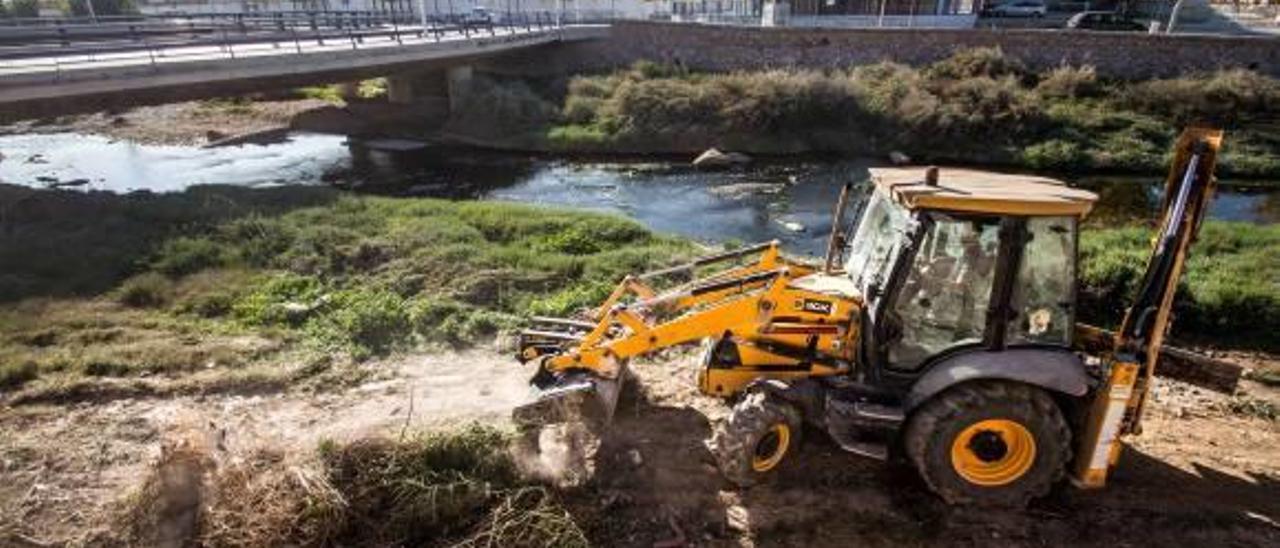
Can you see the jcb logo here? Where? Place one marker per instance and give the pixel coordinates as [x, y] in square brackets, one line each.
[816, 307]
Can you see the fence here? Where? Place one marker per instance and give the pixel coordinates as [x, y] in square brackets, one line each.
[66, 43]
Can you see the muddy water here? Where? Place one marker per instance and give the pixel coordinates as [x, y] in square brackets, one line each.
[790, 201]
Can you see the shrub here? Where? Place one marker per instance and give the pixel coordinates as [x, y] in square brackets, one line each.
[211, 305]
[505, 105]
[182, 256]
[257, 239]
[374, 88]
[1227, 97]
[570, 300]
[1068, 82]
[449, 321]
[266, 305]
[972, 62]
[581, 110]
[366, 322]
[577, 136]
[147, 290]
[1054, 154]
[327, 93]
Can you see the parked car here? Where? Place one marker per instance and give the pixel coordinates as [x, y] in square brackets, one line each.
[1017, 8]
[1104, 20]
[480, 15]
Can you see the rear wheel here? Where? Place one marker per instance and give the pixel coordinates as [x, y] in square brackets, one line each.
[760, 433]
[990, 443]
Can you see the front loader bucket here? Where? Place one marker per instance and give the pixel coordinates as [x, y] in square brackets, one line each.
[576, 397]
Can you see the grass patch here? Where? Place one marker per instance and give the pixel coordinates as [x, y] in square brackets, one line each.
[226, 279]
[1229, 296]
[978, 106]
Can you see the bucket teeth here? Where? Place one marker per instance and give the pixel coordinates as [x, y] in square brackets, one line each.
[572, 398]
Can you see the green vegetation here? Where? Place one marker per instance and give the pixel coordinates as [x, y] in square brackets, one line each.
[331, 93]
[374, 88]
[1230, 295]
[975, 107]
[229, 278]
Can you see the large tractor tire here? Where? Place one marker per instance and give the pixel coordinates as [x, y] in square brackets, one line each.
[990, 443]
[760, 433]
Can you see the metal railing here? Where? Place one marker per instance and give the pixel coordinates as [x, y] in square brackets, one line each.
[71, 44]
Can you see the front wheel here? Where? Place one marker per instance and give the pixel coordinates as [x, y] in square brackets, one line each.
[990, 443]
[758, 436]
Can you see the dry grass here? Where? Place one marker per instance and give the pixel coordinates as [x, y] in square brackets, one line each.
[444, 488]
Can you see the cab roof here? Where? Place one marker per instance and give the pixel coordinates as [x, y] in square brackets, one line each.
[958, 189]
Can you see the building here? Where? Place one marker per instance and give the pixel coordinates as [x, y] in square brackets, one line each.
[584, 9]
[884, 13]
[832, 13]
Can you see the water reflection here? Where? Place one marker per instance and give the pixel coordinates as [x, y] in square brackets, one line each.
[789, 201]
[92, 162]
[1127, 199]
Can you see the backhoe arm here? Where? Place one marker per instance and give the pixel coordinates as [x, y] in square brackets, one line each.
[1118, 404]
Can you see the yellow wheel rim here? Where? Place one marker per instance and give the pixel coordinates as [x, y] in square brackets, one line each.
[993, 452]
[771, 447]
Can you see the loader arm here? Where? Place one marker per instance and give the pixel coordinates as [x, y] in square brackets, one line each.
[625, 327]
[1118, 404]
[753, 301]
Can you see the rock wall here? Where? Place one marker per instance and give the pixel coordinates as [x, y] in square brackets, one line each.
[722, 48]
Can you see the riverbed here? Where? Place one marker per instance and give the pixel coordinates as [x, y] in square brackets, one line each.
[786, 200]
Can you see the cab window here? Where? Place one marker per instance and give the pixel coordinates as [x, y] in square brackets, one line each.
[1044, 290]
[878, 235]
[944, 298]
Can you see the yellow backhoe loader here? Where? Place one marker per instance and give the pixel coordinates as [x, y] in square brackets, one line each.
[940, 328]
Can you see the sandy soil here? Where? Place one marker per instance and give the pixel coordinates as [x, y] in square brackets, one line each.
[1200, 475]
[187, 123]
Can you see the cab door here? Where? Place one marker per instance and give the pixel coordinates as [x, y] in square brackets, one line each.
[940, 299]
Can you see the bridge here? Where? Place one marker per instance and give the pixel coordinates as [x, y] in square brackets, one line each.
[59, 67]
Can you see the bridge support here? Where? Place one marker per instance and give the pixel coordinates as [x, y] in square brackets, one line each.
[446, 87]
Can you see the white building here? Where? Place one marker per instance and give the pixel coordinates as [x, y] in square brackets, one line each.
[587, 8]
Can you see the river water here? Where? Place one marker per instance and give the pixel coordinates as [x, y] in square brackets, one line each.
[790, 201]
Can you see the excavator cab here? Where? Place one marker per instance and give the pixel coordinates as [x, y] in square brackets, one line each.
[962, 260]
[940, 328]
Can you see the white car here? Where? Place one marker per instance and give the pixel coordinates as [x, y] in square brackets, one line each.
[480, 15]
[1019, 8]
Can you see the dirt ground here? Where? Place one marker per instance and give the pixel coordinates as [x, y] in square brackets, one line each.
[1200, 475]
[187, 123]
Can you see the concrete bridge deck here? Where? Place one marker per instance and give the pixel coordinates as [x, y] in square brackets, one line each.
[79, 81]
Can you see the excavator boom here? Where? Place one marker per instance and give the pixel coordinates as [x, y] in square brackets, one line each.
[1118, 404]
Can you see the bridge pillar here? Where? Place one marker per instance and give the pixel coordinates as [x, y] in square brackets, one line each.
[458, 79]
[399, 90]
[448, 86]
[349, 90]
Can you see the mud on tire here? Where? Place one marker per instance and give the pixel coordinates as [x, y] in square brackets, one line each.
[757, 424]
[931, 441]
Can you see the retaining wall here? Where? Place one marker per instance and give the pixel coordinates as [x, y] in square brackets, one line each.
[722, 48]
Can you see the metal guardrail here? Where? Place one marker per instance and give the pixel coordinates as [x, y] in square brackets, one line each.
[202, 36]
